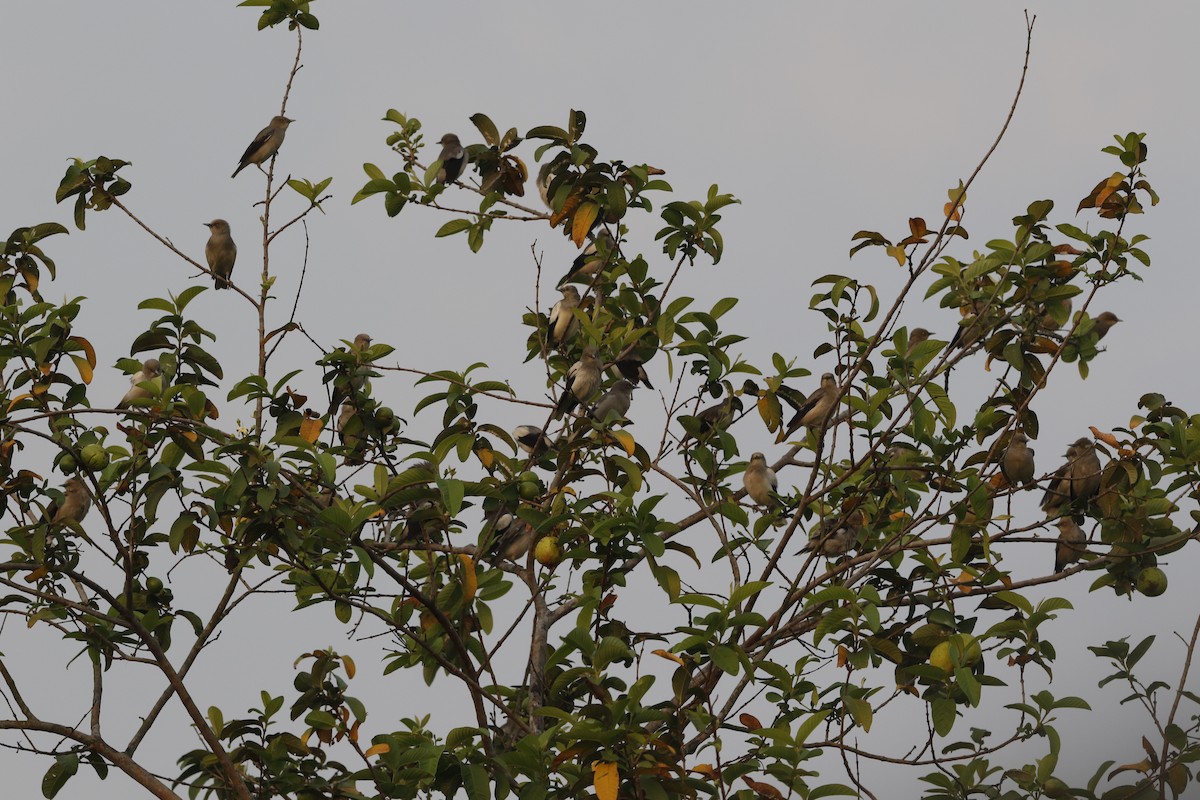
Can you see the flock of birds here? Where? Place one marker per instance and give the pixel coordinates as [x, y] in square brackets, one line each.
[1075, 482]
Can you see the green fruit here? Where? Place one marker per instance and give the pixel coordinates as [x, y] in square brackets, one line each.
[547, 551]
[1055, 788]
[1152, 581]
[964, 644]
[529, 490]
[528, 476]
[94, 457]
[153, 585]
[67, 463]
[384, 416]
[929, 635]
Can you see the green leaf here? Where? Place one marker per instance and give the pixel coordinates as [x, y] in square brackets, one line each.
[452, 227]
[62, 770]
[860, 710]
[943, 712]
[487, 129]
[725, 659]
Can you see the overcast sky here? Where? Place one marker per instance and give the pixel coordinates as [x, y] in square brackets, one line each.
[823, 119]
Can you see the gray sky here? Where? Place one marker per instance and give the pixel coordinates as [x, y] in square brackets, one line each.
[823, 120]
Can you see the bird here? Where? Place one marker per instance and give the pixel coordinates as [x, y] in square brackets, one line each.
[150, 371]
[616, 401]
[1072, 543]
[531, 439]
[583, 380]
[513, 536]
[544, 179]
[265, 144]
[221, 252]
[633, 370]
[453, 157]
[592, 258]
[915, 337]
[1078, 479]
[1017, 462]
[343, 389]
[361, 343]
[716, 417]
[834, 536]
[1048, 324]
[350, 438]
[563, 324]
[816, 408]
[1104, 322]
[74, 506]
[761, 482]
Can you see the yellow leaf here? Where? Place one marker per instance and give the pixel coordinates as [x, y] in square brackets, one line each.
[85, 369]
[470, 580]
[1107, 438]
[897, 515]
[310, 429]
[770, 410]
[486, 457]
[378, 749]
[897, 252]
[36, 575]
[348, 663]
[88, 351]
[625, 439]
[569, 205]
[704, 769]
[18, 399]
[353, 735]
[668, 655]
[605, 780]
[582, 221]
[842, 655]
[31, 278]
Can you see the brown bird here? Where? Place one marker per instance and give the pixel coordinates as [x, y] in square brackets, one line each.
[716, 417]
[583, 381]
[1072, 543]
[453, 157]
[150, 371]
[74, 506]
[1104, 322]
[563, 325]
[915, 337]
[221, 252]
[265, 144]
[816, 409]
[1078, 479]
[1049, 324]
[761, 483]
[835, 537]
[1017, 462]
[350, 434]
[514, 537]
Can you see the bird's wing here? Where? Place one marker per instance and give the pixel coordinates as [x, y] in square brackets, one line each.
[258, 142]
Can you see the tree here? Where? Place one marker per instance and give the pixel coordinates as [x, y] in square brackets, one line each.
[675, 637]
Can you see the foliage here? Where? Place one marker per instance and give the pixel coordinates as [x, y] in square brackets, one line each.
[674, 642]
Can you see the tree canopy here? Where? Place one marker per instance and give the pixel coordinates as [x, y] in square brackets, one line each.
[620, 596]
